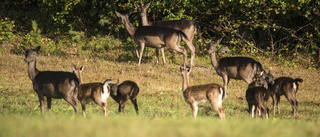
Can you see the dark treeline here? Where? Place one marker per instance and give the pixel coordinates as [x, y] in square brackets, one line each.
[273, 27]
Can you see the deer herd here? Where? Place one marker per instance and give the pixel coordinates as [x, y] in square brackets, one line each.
[158, 35]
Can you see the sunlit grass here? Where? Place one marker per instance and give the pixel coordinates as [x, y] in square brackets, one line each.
[162, 110]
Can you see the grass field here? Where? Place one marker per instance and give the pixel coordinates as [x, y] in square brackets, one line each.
[163, 111]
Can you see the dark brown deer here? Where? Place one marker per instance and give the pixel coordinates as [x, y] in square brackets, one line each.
[188, 27]
[195, 95]
[98, 92]
[51, 84]
[238, 68]
[288, 87]
[155, 37]
[257, 97]
[123, 92]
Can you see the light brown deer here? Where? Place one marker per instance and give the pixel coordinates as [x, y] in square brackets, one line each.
[190, 28]
[51, 84]
[98, 92]
[155, 37]
[195, 95]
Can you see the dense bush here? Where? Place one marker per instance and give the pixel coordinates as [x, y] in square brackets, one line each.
[281, 28]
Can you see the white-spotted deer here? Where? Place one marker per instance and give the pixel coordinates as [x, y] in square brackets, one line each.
[190, 28]
[51, 84]
[98, 92]
[195, 95]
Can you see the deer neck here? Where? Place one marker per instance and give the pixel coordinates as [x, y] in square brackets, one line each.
[185, 83]
[214, 60]
[145, 21]
[32, 70]
[131, 29]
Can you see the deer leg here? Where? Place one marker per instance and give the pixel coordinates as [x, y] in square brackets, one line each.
[142, 45]
[134, 102]
[105, 109]
[292, 101]
[41, 99]
[73, 102]
[194, 108]
[83, 105]
[219, 109]
[179, 49]
[49, 104]
[137, 51]
[122, 105]
[163, 56]
[225, 84]
[253, 111]
[157, 54]
[274, 104]
[192, 51]
[278, 103]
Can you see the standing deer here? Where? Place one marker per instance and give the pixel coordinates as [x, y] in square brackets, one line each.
[51, 84]
[238, 68]
[98, 92]
[155, 37]
[288, 87]
[188, 27]
[257, 96]
[195, 95]
[123, 92]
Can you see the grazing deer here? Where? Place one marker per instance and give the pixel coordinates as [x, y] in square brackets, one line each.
[188, 27]
[51, 84]
[98, 92]
[123, 92]
[257, 97]
[238, 68]
[195, 95]
[288, 87]
[155, 37]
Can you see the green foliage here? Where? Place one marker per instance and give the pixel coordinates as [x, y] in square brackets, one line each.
[6, 30]
[247, 26]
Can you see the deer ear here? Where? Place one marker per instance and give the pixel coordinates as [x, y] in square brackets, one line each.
[117, 82]
[206, 42]
[147, 5]
[81, 68]
[118, 14]
[269, 71]
[23, 49]
[189, 69]
[261, 73]
[218, 42]
[74, 67]
[37, 48]
[136, 5]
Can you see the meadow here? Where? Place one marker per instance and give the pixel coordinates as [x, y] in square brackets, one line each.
[163, 111]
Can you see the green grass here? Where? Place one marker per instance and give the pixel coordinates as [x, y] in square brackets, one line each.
[163, 112]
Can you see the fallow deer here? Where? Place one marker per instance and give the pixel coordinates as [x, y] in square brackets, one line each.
[98, 92]
[155, 37]
[51, 84]
[195, 95]
[288, 87]
[238, 68]
[190, 28]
